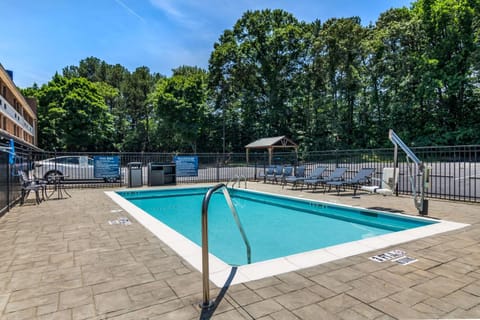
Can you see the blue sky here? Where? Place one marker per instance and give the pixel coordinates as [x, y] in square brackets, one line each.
[40, 37]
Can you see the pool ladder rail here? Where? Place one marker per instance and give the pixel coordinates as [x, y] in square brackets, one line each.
[207, 303]
[237, 180]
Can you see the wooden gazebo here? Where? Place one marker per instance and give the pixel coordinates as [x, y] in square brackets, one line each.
[270, 144]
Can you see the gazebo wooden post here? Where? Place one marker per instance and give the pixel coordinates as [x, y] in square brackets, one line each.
[270, 153]
[247, 155]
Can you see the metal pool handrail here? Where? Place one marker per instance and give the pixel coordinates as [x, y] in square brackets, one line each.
[238, 178]
[420, 203]
[206, 304]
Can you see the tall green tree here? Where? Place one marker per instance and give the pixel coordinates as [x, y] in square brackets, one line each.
[73, 116]
[106, 76]
[338, 59]
[138, 110]
[448, 55]
[308, 120]
[393, 73]
[182, 113]
[257, 62]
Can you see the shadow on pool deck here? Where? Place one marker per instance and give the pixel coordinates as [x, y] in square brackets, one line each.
[207, 313]
[63, 260]
[386, 209]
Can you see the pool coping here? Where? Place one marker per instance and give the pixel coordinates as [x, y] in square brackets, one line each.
[222, 273]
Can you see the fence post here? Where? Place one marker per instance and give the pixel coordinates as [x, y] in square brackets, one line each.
[8, 185]
[218, 168]
[122, 160]
[395, 166]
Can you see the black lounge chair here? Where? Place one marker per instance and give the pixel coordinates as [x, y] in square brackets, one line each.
[277, 172]
[336, 175]
[268, 172]
[286, 173]
[316, 174]
[361, 178]
[298, 177]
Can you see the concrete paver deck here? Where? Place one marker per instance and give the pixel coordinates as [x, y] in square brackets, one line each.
[63, 260]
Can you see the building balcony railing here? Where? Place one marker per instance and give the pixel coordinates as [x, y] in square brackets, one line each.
[16, 117]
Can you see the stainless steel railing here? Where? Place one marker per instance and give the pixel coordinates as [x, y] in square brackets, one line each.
[207, 303]
[237, 179]
[419, 200]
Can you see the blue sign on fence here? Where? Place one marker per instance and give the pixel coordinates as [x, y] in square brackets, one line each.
[106, 166]
[187, 166]
[11, 154]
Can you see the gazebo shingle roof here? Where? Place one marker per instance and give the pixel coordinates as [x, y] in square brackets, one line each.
[270, 144]
[281, 141]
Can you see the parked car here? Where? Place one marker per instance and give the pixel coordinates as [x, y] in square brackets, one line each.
[68, 167]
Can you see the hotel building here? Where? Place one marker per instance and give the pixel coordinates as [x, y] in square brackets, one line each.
[18, 115]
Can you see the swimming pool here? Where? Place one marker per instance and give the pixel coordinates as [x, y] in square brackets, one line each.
[283, 232]
[275, 226]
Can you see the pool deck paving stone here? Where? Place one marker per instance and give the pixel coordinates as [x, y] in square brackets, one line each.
[63, 260]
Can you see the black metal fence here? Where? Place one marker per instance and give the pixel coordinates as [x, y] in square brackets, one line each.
[455, 170]
[10, 187]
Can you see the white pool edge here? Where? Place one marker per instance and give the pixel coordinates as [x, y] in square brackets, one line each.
[220, 271]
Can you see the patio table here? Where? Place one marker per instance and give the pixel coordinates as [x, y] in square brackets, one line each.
[58, 186]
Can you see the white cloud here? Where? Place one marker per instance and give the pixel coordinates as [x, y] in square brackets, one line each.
[168, 7]
[190, 14]
[130, 10]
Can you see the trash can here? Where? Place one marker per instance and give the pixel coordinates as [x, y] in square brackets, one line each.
[156, 174]
[134, 174]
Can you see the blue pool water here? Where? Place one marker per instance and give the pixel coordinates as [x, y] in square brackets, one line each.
[275, 226]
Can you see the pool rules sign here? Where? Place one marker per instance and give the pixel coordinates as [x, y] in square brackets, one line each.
[187, 166]
[106, 167]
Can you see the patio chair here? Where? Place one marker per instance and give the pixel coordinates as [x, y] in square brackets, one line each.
[286, 173]
[300, 178]
[277, 172]
[29, 185]
[361, 178]
[268, 171]
[387, 184]
[294, 179]
[336, 175]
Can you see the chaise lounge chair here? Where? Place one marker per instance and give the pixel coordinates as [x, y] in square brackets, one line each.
[277, 173]
[286, 173]
[298, 177]
[316, 174]
[336, 175]
[387, 185]
[361, 178]
[268, 171]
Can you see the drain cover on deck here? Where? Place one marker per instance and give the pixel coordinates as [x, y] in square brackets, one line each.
[405, 260]
[398, 256]
[121, 220]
